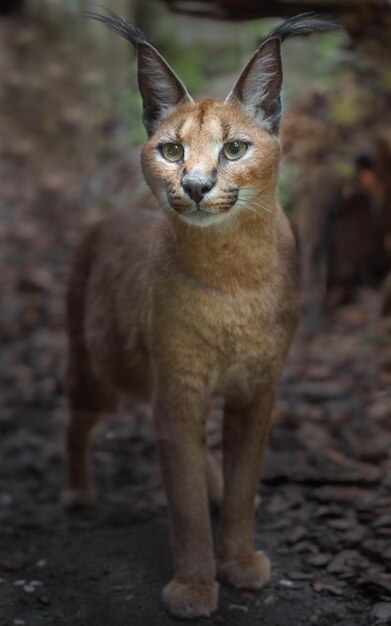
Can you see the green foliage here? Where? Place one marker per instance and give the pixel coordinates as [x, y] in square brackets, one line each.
[287, 178]
[128, 110]
[260, 28]
[368, 342]
[348, 110]
[189, 66]
[329, 58]
[385, 81]
[328, 47]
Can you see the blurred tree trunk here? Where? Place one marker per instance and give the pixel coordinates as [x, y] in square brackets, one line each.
[248, 9]
[9, 7]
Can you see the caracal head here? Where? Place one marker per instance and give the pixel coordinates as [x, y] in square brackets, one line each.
[206, 161]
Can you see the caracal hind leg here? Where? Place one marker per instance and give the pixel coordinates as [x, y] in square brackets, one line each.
[214, 472]
[245, 436]
[192, 592]
[215, 482]
[87, 402]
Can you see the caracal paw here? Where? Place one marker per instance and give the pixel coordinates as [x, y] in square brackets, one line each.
[251, 573]
[190, 601]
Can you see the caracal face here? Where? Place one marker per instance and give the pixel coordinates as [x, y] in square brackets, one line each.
[213, 144]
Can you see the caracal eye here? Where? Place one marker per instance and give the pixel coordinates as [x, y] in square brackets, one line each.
[233, 150]
[172, 151]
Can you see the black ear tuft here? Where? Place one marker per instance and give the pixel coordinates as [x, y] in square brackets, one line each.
[304, 24]
[160, 88]
[120, 26]
[259, 85]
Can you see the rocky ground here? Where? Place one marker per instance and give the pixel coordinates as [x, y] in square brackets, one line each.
[325, 517]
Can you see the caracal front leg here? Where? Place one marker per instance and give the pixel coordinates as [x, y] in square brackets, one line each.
[245, 436]
[179, 423]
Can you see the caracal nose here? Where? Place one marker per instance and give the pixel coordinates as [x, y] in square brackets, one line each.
[198, 186]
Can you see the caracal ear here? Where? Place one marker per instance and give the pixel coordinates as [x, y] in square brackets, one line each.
[160, 88]
[258, 87]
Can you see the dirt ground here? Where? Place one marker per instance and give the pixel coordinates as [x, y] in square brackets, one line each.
[325, 518]
[325, 514]
[326, 502]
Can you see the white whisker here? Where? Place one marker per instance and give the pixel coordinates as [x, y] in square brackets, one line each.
[249, 205]
[253, 210]
[262, 206]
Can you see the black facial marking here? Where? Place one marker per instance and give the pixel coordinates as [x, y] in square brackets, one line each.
[203, 108]
[233, 195]
[201, 115]
[226, 128]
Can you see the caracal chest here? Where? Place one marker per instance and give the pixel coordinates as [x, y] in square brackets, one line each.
[233, 337]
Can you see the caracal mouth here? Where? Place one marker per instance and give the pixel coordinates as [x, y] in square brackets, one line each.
[208, 210]
[199, 213]
[204, 217]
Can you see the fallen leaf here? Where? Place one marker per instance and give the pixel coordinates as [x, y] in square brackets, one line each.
[319, 587]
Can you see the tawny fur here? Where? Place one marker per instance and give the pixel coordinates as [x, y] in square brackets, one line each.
[176, 314]
[179, 307]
